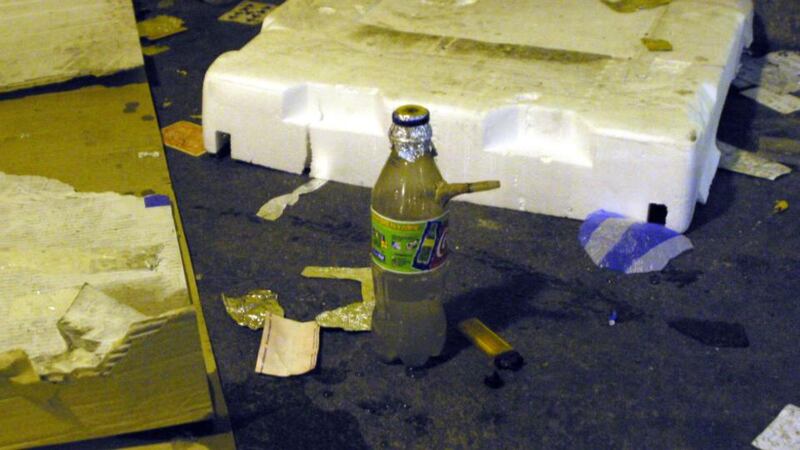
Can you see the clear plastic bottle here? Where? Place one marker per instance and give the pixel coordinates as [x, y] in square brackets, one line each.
[409, 242]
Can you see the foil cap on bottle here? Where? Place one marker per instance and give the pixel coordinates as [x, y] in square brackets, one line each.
[411, 132]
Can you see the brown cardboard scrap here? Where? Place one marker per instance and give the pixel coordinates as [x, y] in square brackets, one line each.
[160, 27]
[184, 136]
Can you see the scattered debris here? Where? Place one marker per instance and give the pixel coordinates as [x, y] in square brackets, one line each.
[251, 309]
[159, 27]
[657, 45]
[153, 50]
[629, 6]
[182, 72]
[273, 209]
[612, 318]
[166, 103]
[783, 433]
[494, 381]
[287, 347]
[625, 245]
[780, 149]
[355, 316]
[184, 136]
[778, 72]
[780, 206]
[197, 116]
[776, 76]
[713, 333]
[248, 12]
[487, 341]
[163, 4]
[149, 154]
[749, 163]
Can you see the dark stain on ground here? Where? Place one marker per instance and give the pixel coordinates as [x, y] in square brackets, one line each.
[680, 278]
[148, 117]
[386, 406]
[494, 381]
[131, 107]
[331, 375]
[345, 230]
[713, 333]
[231, 212]
[420, 423]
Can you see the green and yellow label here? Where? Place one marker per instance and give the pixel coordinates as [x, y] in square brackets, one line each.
[409, 247]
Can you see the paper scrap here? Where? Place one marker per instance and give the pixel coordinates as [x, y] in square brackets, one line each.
[287, 347]
[625, 245]
[355, 316]
[273, 209]
[749, 163]
[56, 240]
[780, 206]
[248, 12]
[184, 136]
[160, 27]
[783, 103]
[657, 45]
[783, 150]
[251, 309]
[783, 433]
[778, 72]
[153, 50]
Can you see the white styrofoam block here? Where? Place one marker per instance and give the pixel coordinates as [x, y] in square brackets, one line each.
[559, 100]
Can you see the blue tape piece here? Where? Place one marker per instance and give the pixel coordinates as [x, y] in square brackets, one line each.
[155, 200]
[635, 243]
[592, 223]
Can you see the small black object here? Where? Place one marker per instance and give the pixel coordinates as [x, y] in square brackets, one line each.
[494, 381]
[713, 333]
[510, 360]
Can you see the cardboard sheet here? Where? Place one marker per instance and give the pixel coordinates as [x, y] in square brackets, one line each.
[287, 347]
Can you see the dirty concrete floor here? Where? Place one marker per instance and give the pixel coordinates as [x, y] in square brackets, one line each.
[639, 384]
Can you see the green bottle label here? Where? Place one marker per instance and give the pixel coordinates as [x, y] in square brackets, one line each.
[409, 247]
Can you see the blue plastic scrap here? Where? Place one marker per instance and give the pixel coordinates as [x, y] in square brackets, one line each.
[618, 243]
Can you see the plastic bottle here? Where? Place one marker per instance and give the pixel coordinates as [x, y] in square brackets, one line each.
[409, 242]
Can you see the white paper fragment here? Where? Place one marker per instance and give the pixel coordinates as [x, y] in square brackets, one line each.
[274, 208]
[54, 241]
[783, 433]
[749, 163]
[287, 347]
[783, 103]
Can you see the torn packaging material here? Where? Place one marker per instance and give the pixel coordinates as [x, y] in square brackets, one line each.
[287, 347]
[618, 243]
[274, 208]
[355, 316]
[101, 341]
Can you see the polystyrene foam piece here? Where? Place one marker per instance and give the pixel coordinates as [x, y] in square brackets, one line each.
[557, 99]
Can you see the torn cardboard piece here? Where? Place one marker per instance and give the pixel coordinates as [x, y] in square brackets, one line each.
[749, 163]
[160, 27]
[780, 149]
[184, 136]
[783, 433]
[273, 209]
[287, 347]
[783, 103]
[618, 243]
[153, 50]
[251, 309]
[776, 76]
[355, 316]
[56, 241]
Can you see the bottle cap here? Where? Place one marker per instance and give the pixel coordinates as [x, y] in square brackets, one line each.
[411, 116]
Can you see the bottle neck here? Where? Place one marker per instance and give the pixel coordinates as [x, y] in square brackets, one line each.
[411, 143]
